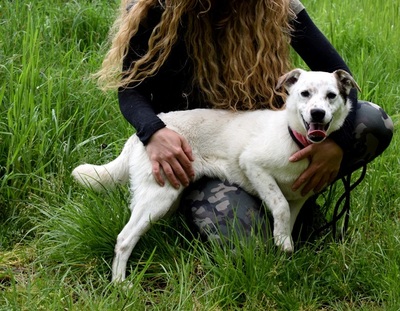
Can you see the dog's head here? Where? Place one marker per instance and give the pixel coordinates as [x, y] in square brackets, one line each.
[317, 102]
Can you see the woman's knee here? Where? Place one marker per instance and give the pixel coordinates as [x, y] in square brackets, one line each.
[373, 130]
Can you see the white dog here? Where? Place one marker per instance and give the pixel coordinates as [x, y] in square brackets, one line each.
[250, 149]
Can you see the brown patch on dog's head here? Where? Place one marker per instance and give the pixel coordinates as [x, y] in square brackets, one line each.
[345, 82]
[288, 79]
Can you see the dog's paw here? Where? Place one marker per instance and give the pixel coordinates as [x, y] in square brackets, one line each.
[284, 243]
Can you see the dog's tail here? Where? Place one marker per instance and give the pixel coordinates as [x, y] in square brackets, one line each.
[104, 177]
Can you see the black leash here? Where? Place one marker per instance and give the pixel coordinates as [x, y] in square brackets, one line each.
[345, 211]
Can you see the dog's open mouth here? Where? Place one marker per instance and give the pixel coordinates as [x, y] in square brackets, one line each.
[316, 132]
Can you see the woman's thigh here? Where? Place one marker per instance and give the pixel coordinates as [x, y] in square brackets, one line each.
[216, 209]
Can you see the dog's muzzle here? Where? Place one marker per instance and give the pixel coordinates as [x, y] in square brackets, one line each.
[316, 131]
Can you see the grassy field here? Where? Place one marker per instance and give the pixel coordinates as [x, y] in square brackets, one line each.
[56, 239]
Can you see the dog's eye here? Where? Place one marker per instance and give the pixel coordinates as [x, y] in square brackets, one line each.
[305, 94]
[331, 95]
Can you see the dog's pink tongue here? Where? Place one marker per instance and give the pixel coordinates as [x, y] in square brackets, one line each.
[316, 132]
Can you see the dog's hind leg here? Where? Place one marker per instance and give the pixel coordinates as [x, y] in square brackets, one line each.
[145, 211]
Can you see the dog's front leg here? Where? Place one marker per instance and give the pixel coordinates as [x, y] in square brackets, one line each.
[269, 191]
[295, 207]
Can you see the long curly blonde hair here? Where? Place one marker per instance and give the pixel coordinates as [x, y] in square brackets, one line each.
[238, 50]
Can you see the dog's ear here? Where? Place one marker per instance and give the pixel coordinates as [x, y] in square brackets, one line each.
[288, 79]
[346, 80]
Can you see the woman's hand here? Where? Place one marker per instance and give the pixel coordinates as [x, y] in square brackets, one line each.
[170, 153]
[325, 159]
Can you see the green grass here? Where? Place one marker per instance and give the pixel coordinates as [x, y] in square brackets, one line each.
[56, 239]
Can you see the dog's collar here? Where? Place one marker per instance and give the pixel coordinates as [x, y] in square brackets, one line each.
[299, 139]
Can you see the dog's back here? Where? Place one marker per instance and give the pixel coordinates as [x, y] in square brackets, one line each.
[219, 138]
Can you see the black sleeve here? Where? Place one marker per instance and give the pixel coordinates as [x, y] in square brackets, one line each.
[135, 101]
[313, 47]
[319, 54]
[137, 110]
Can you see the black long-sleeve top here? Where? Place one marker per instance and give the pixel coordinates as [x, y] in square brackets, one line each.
[171, 88]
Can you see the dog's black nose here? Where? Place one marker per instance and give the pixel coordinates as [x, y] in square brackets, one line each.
[317, 114]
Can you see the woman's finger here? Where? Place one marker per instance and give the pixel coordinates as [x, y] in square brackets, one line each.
[157, 173]
[170, 174]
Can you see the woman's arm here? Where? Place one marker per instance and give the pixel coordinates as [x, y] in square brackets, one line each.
[138, 111]
[135, 100]
[169, 152]
[313, 47]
